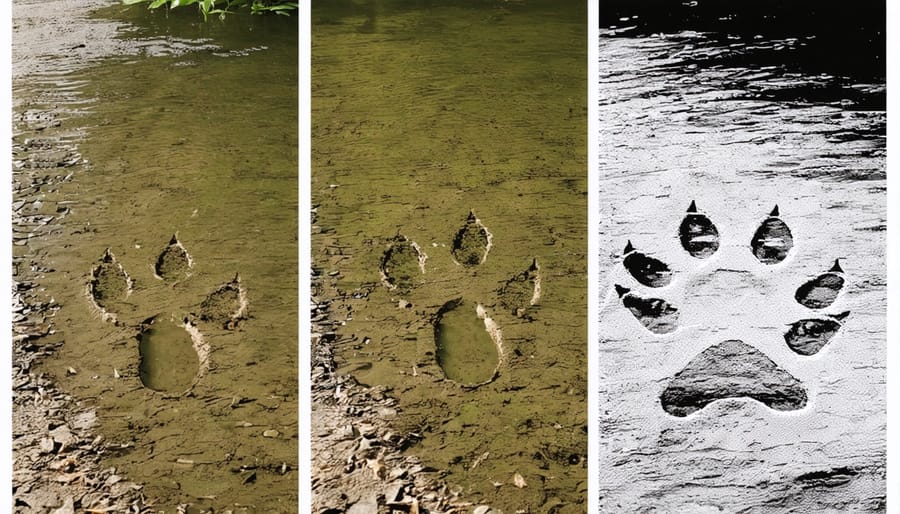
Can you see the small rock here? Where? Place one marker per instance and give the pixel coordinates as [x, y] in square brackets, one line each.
[393, 492]
[364, 506]
[47, 445]
[67, 508]
[271, 433]
[519, 481]
[481, 509]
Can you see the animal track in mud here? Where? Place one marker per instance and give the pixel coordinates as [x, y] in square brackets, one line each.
[174, 262]
[171, 351]
[732, 368]
[402, 264]
[472, 242]
[468, 342]
[109, 284]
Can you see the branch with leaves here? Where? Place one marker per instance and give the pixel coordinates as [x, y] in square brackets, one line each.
[223, 7]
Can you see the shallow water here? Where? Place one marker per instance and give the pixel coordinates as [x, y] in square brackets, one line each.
[425, 111]
[741, 119]
[169, 362]
[464, 348]
[193, 131]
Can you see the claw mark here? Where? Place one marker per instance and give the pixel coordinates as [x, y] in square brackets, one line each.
[821, 291]
[472, 242]
[808, 336]
[657, 315]
[402, 261]
[522, 290]
[109, 284]
[731, 369]
[772, 240]
[647, 270]
[174, 261]
[698, 234]
[227, 305]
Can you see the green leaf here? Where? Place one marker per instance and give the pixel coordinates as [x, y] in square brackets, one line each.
[132, 2]
[156, 3]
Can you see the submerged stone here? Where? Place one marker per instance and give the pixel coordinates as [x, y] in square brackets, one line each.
[471, 243]
[169, 361]
[698, 235]
[647, 270]
[731, 369]
[772, 240]
[467, 343]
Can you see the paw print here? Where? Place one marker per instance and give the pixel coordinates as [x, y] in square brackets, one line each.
[468, 341]
[172, 354]
[719, 289]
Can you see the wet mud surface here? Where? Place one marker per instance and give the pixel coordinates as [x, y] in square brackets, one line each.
[201, 412]
[761, 398]
[463, 128]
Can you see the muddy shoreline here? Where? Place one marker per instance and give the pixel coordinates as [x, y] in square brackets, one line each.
[57, 465]
[358, 465]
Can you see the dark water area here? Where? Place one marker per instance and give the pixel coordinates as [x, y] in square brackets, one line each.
[839, 46]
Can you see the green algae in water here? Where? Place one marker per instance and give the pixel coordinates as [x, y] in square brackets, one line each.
[169, 362]
[465, 350]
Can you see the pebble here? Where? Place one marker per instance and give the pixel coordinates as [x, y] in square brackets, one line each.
[271, 433]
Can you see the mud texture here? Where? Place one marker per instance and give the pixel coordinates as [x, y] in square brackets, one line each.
[647, 270]
[731, 369]
[698, 234]
[773, 240]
